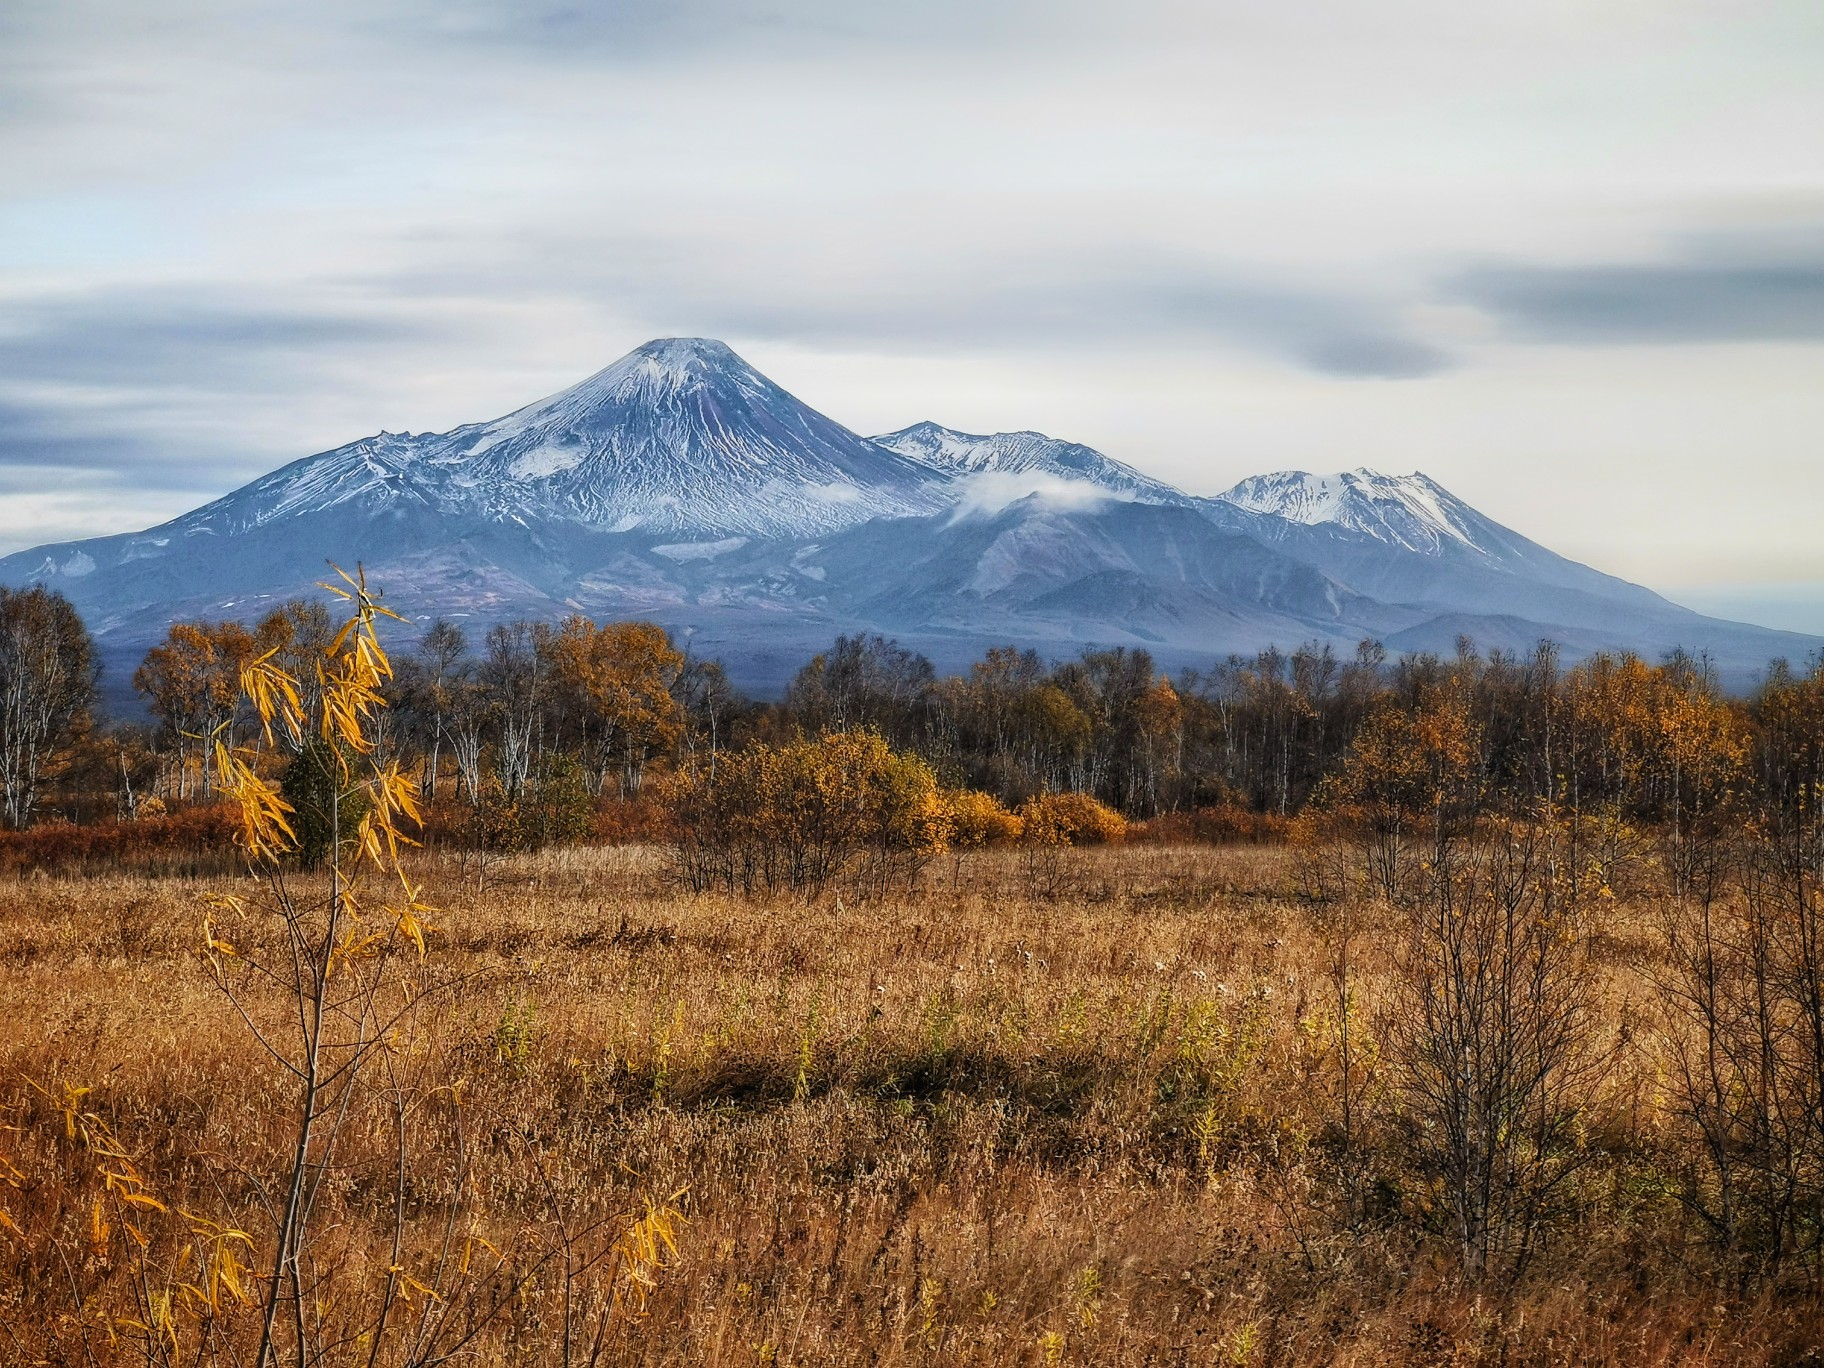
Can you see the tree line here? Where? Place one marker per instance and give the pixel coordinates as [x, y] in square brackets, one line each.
[589, 710]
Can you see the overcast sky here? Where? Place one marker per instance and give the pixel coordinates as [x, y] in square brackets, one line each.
[1567, 256]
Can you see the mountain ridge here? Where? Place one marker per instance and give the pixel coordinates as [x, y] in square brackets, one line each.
[680, 484]
[1025, 453]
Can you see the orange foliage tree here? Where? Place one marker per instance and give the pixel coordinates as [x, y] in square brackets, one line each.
[1062, 819]
[614, 683]
[192, 681]
[1409, 768]
[1645, 744]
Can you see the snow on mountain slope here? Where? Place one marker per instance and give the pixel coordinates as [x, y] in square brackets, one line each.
[370, 475]
[1410, 511]
[678, 436]
[1407, 539]
[1141, 572]
[1011, 459]
[681, 484]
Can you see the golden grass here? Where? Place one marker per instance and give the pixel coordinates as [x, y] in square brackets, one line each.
[1075, 1114]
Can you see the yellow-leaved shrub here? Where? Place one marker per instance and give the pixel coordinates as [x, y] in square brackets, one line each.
[978, 819]
[797, 816]
[1069, 819]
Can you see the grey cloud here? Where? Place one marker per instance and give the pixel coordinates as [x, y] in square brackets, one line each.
[137, 387]
[171, 335]
[36, 439]
[66, 474]
[48, 443]
[952, 301]
[53, 50]
[647, 28]
[1331, 335]
[1733, 292]
[1381, 356]
[1334, 333]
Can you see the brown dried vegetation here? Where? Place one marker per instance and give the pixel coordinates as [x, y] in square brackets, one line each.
[1099, 1122]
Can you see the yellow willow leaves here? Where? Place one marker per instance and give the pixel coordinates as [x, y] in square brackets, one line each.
[411, 916]
[76, 1122]
[355, 946]
[218, 1249]
[274, 695]
[392, 799]
[264, 830]
[644, 1250]
[468, 1250]
[99, 1228]
[367, 608]
[11, 1176]
[220, 947]
[355, 668]
[163, 1322]
[130, 1188]
[410, 920]
[352, 673]
[410, 1286]
[348, 699]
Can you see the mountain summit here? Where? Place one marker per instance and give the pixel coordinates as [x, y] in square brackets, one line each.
[679, 436]
[681, 485]
[1410, 511]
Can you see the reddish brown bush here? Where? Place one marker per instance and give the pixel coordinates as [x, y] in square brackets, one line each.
[629, 821]
[191, 840]
[1225, 824]
[454, 822]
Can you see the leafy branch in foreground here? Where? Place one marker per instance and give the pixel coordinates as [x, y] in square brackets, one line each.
[319, 977]
[329, 977]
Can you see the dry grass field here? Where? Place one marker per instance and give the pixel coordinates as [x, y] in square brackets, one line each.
[1083, 1111]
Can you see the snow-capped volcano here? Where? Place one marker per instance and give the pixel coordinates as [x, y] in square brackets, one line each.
[1412, 511]
[1012, 455]
[680, 436]
[681, 485]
